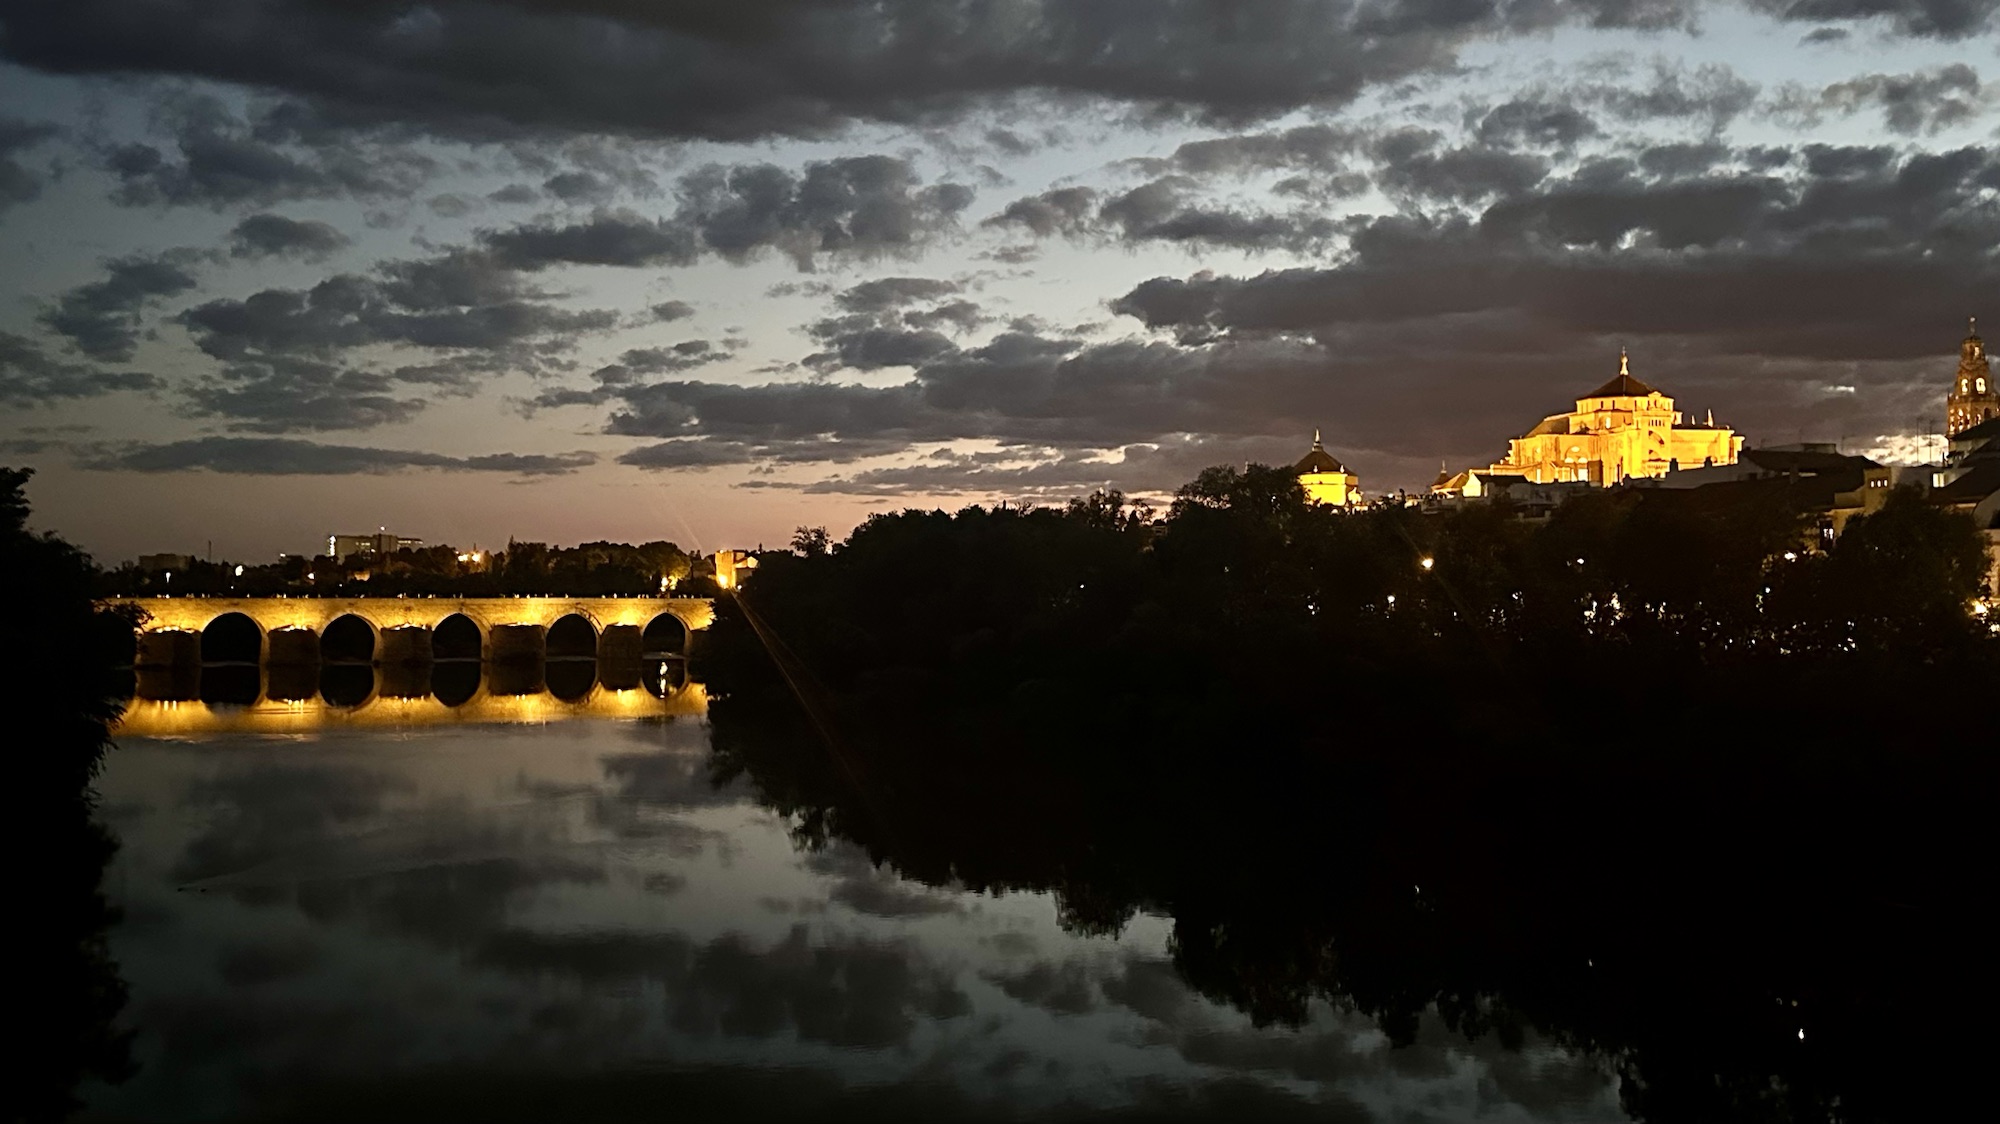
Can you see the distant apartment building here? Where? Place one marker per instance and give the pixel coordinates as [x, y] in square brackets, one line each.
[381, 543]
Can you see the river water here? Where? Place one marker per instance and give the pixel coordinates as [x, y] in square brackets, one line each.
[538, 908]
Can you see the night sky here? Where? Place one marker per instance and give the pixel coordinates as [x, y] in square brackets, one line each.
[709, 271]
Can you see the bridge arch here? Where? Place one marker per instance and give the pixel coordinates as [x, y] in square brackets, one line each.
[572, 636]
[458, 637]
[232, 637]
[348, 638]
[664, 635]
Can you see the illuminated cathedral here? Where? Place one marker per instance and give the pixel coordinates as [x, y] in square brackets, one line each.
[1622, 430]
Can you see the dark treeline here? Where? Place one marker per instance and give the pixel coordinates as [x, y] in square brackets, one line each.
[58, 654]
[1651, 778]
[592, 569]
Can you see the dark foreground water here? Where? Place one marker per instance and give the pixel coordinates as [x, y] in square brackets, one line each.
[343, 914]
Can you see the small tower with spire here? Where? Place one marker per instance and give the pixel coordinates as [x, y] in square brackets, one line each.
[1973, 397]
[1325, 479]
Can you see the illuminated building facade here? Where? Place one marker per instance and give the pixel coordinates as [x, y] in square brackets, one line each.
[382, 543]
[1620, 431]
[1325, 479]
[732, 567]
[1973, 398]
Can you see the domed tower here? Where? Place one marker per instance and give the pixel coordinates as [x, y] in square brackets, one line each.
[1325, 479]
[1973, 398]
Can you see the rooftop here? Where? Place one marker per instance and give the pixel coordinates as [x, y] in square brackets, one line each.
[1318, 460]
[1623, 385]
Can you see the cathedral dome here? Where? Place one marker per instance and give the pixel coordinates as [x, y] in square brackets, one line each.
[1623, 385]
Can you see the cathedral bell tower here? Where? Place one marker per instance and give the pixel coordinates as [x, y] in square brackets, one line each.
[1973, 398]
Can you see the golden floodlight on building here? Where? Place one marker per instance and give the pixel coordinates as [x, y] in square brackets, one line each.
[1621, 430]
[1325, 479]
[1973, 397]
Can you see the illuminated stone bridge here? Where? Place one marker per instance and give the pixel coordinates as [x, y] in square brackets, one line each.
[396, 630]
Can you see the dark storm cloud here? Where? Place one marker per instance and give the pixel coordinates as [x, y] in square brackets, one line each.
[278, 456]
[853, 207]
[284, 352]
[792, 68]
[713, 453]
[579, 187]
[275, 236]
[1934, 19]
[858, 343]
[957, 316]
[612, 379]
[1669, 161]
[1062, 210]
[1534, 123]
[1018, 388]
[457, 300]
[1309, 147]
[1156, 468]
[1462, 175]
[1924, 102]
[102, 318]
[214, 158]
[1166, 210]
[518, 194]
[29, 376]
[859, 206]
[287, 394]
[1712, 95]
[18, 182]
[1814, 266]
[1752, 289]
[620, 238]
[884, 293]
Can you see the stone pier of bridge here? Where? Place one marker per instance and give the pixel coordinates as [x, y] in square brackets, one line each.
[395, 630]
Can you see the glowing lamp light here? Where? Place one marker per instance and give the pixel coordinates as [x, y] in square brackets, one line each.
[1428, 563]
[239, 571]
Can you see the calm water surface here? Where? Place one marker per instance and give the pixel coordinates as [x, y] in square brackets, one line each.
[367, 912]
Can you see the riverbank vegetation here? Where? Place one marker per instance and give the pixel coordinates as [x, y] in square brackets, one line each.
[1655, 778]
[59, 651]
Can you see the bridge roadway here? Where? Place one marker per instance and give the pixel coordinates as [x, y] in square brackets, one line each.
[402, 629]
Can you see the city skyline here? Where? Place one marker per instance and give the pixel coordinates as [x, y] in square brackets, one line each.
[707, 278]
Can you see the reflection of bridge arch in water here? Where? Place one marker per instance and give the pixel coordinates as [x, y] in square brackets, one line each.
[406, 629]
